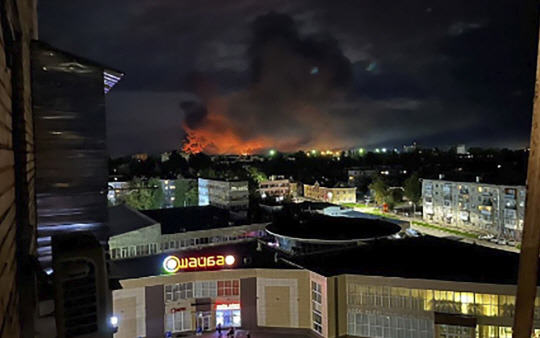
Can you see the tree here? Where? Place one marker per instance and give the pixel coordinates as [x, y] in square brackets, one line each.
[412, 188]
[380, 190]
[256, 174]
[145, 194]
[186, 193]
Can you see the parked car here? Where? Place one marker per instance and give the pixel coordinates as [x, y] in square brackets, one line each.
[501, 241]
[412, 233]
[511, 242]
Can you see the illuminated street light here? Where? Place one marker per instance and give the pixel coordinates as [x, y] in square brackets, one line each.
[272, 152]
[114, 320]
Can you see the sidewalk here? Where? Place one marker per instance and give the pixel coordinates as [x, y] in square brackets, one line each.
[254, 334]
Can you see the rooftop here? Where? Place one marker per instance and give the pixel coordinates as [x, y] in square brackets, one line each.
[175, 220]
[423, 257]
[319, 227]
[123, 218]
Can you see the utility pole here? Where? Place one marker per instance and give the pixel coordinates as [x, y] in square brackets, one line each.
[530, 245]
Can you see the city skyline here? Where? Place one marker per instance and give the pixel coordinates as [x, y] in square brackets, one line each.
[440, 74]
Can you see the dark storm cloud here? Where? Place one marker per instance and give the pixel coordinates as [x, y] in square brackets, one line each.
[438, 72]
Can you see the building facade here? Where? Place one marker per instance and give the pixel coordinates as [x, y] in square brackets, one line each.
[338, 195]
[117, 190]
[275, 188]
[494, 209]
[307, 302]
[137, 235]
[229, 195]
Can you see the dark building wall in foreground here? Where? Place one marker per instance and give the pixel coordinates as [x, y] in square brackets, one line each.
[71, 157]
[17, 202]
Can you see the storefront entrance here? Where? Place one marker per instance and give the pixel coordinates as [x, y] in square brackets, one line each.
[203, 320]
[228, 315]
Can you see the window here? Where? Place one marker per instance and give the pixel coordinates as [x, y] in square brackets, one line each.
[228, 288]
[178, 321]
[178, 291]
[205, 289]
[142, 250]
[316, 306]
[376, 324]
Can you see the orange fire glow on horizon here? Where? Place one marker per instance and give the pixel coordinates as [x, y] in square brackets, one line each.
[217, 135]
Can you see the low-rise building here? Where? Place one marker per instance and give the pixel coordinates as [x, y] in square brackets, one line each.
[378, 289]
[338, 195]
[489, 208]
[150, 232]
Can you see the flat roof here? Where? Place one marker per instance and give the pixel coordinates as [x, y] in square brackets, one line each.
[246, 254]
[110, 76]
[321, 227]
[423, 257]
[123, 218]
[426, 257]
[176, 220]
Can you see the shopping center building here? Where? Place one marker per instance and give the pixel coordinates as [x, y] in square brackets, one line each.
[379, 287]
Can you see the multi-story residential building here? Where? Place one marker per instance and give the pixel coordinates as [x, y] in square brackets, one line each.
[338, 195]
[279, 188]
[71, 154]
[118, 189]
[145, 233]
[356, 174]
[229, 195]
[493, 209]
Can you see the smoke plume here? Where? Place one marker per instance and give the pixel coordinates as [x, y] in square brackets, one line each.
[285, 107]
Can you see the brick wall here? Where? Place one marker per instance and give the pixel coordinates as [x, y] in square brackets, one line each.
[17, 202]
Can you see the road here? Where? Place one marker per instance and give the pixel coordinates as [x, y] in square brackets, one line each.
[448, 235]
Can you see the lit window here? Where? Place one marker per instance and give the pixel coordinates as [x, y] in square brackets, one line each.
[316, 306]
[228, 288]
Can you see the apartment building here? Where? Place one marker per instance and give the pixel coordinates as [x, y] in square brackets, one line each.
[229, 195]
[278, 188]
[494, 209]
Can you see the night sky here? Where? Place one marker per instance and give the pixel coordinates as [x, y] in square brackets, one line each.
[253, 75]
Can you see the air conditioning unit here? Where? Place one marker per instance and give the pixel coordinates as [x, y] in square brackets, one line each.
[82, 298]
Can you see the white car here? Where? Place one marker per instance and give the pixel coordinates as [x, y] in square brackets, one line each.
[412, 233]
[486, 237]
[501, 241]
